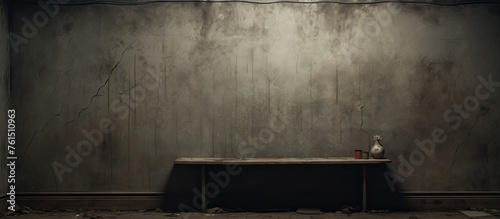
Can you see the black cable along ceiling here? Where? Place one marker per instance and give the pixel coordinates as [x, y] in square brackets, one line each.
[144, 2]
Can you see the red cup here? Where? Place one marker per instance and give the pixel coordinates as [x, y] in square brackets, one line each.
[358, 154]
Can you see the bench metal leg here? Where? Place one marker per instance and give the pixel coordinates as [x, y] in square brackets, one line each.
[364, 189]
[203, 197]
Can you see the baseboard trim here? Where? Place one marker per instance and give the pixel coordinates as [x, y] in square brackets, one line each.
[92, 200]
[416, 200]
[455, 200]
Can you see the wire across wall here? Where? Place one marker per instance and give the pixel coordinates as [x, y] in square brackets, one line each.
[145, 2]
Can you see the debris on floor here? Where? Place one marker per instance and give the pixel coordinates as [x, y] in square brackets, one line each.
[476, 213]
[491, 211]
[308, 211]
[151, 214]
[19, 210]
[216, 210]
[89, 215]
[81, 215]
[346, 209]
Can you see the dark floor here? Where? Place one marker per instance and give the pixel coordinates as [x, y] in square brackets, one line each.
[158, 214]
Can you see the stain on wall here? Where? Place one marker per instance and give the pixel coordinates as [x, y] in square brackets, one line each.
[111, 95]
[4, 97]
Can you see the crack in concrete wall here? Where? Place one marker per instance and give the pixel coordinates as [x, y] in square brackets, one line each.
[102, 86]
[465, 138]
[43, 128]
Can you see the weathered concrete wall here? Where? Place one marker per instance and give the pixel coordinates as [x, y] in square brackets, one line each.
[4, 99]
[194, 79]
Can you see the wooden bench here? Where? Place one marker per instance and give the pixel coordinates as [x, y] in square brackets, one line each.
[277, 161]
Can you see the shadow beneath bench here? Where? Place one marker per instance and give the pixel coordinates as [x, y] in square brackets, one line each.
[280, 188]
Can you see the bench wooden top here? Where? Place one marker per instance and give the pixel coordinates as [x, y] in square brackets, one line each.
[277, 161]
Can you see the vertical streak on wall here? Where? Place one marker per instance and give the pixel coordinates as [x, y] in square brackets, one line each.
[250, 64]
[213, 112]
[236, 103]
[337, 102]
[311, 123]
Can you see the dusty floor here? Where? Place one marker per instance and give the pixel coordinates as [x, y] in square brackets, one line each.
[249, 215]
